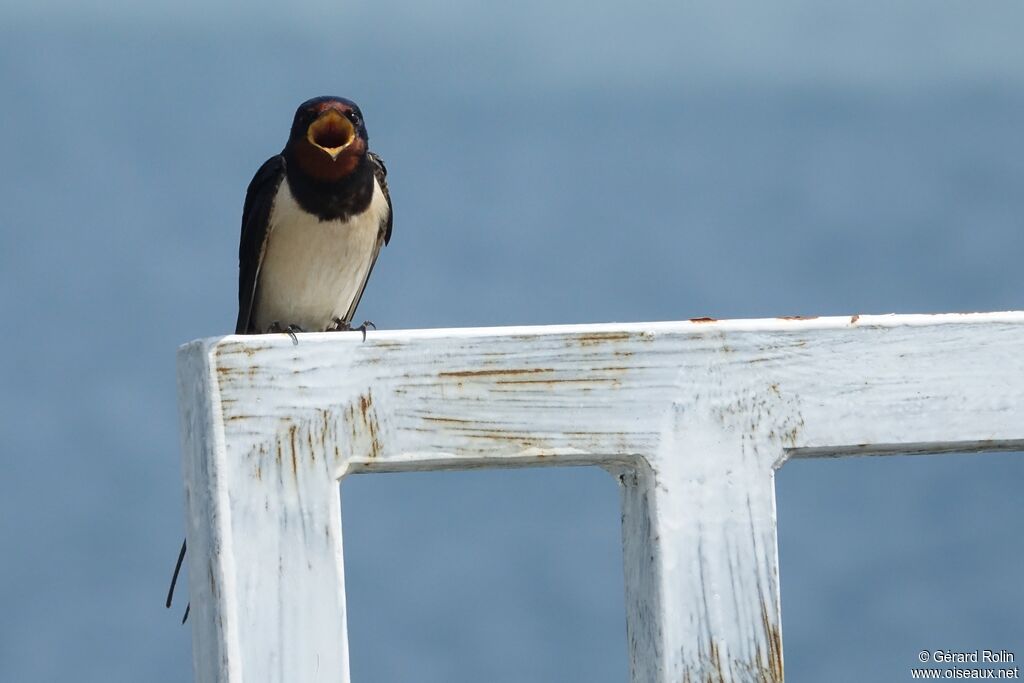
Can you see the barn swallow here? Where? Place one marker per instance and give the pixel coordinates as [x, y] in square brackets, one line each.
[314, 221]
[315, 218]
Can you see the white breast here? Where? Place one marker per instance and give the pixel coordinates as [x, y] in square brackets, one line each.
[312, 270]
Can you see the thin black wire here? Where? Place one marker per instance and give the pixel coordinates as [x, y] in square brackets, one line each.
[174, 581]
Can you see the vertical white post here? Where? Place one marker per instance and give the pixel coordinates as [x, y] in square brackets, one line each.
[702, 598]
[699, 541]
[265, 551]
[202, 439]
[719, 573]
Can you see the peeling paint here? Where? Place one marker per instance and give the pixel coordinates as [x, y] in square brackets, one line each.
[774, 637]
[596, 338]
[488, 373]
[448, 420]
[555, 381]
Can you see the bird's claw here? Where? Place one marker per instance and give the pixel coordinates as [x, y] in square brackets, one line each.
[290, 330]
[362, 328]
[340, 325]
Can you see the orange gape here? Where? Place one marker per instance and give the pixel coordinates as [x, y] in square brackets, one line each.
[331, 149]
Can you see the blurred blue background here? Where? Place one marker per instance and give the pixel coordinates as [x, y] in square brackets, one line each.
[549, 162]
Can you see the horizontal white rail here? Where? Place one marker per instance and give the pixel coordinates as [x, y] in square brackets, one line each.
[693, 418]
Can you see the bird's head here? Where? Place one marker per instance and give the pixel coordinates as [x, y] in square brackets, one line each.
[328, 138]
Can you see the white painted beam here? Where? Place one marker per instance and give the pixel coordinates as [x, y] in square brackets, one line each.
[693, 418]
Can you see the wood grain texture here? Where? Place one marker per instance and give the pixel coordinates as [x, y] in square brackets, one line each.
[693, 418]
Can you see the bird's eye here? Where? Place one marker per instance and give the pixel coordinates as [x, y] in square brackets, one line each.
[353, 117]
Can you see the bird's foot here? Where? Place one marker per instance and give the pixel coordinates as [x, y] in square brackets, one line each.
[290, 330]
[339, 325]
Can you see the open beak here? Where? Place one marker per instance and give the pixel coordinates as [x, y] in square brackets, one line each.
[332, 132]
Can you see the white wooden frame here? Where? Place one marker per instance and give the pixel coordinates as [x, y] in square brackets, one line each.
[692, 418]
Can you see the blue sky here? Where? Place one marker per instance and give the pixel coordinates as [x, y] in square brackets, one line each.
[549, 163]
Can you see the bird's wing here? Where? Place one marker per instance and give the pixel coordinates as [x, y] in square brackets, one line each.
[259, 199]
[380, 172]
